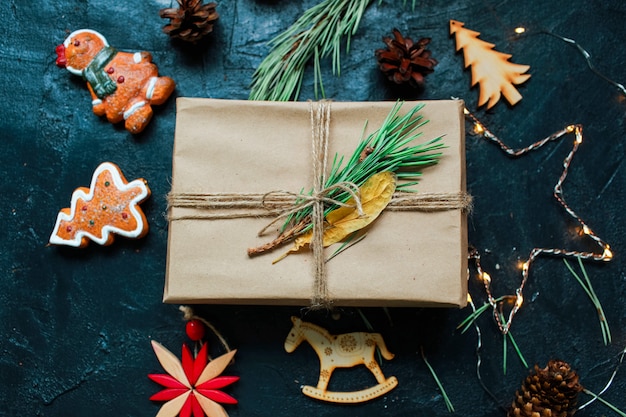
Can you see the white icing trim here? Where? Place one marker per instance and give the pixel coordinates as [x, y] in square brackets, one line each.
[150, 89]
[66, 44]
[74, 70]
[137, 57]
[133, 109]
[96, 102]
[106, 229]
[67, 40]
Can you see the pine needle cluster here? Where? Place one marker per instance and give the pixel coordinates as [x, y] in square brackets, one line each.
[390, 148]
[386, 149]
[317, 34]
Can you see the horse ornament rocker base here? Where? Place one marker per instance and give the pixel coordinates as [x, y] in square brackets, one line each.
[341, 351]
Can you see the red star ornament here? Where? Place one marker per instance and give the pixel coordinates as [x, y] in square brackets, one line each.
[192, 386]
[109, 206]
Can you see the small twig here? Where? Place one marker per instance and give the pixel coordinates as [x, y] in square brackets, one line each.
[281, 239]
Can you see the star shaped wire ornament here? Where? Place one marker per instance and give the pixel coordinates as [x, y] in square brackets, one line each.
[192, 387]
[605, 254]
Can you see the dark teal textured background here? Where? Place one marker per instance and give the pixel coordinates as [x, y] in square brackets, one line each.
[76, 325]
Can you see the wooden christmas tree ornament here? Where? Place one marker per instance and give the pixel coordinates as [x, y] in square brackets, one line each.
[492, 70]
[341, 351]
[109, 206]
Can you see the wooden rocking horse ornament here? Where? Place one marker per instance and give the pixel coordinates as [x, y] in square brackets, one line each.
[341, 351]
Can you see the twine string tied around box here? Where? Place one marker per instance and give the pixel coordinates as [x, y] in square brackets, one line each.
[281, 204]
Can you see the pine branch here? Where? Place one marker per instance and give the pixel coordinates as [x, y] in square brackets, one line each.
[387, 149]
[316, 34]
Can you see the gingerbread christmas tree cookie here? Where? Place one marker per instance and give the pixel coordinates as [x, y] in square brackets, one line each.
[109, 206]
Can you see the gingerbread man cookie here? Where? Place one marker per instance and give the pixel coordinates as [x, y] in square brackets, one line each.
[123, 85]
[109, 206]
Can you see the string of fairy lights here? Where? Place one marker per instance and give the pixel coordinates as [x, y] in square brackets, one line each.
[604, 253]
[516, 300]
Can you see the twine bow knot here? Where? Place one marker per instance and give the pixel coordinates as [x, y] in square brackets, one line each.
[282, 204]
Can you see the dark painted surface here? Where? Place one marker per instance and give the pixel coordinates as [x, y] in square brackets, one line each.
[76, 325]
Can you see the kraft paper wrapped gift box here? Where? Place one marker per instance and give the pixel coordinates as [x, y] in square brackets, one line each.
[408, 258]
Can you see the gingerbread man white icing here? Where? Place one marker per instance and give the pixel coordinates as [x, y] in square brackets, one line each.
[123, 85]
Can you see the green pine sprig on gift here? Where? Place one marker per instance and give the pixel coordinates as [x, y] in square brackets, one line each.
[385, 150]
[317, 34]
[391, 148]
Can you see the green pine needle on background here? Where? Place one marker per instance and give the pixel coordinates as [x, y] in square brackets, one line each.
[509, 336]
[446, 399]
[317, 34]
[471, 319]
[605, 402]
[585, 283]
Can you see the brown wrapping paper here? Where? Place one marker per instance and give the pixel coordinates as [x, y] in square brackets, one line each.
[229, 146]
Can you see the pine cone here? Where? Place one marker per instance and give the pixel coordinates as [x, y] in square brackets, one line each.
[404, 61]
[548, 392]
[191, 21]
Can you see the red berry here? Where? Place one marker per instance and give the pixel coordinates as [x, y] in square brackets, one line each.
[195, 329]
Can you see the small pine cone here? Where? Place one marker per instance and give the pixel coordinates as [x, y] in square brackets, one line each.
[191, 21]
[548, 392]
[404, 61]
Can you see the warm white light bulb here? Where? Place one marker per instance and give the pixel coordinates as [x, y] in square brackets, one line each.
[525, 267]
